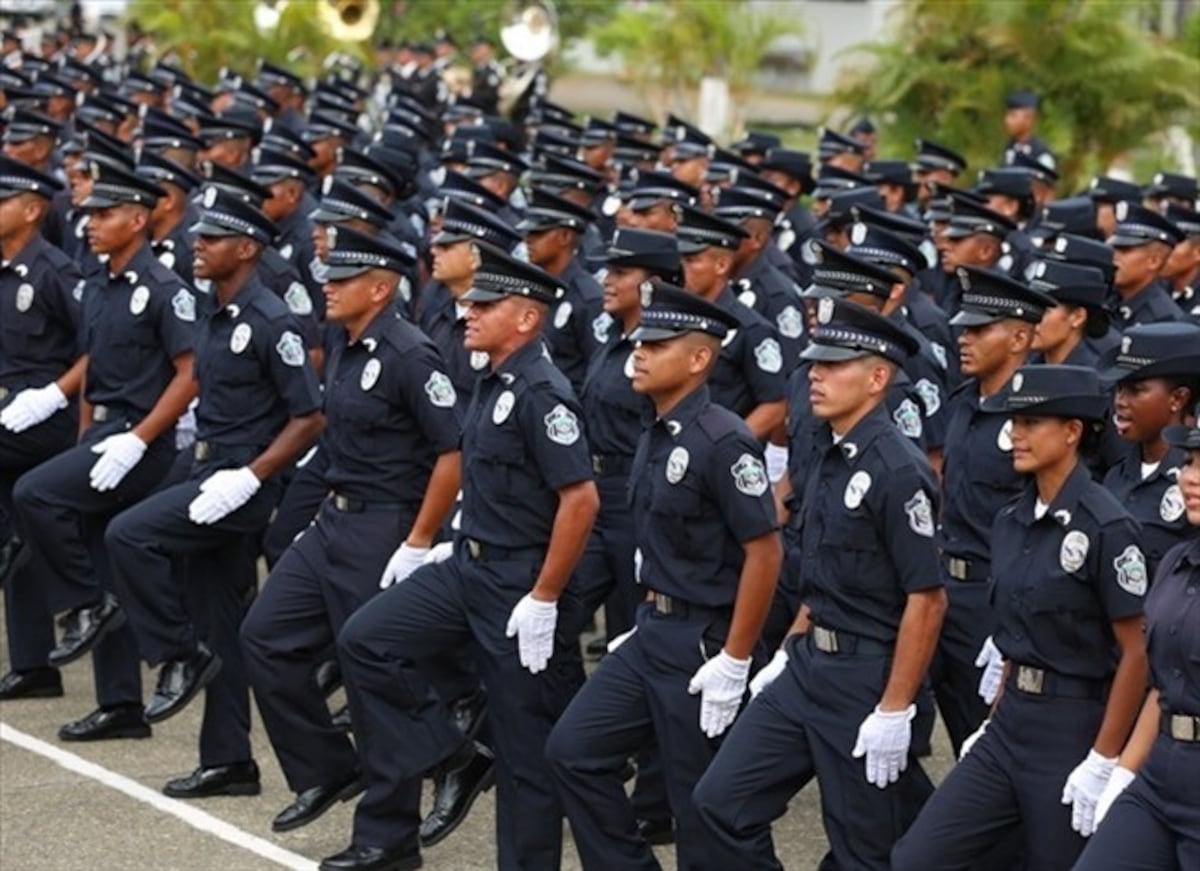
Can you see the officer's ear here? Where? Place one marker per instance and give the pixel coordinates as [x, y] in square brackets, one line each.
[881, 375]
[723, 263]
[247, 249]
[1020, 336]
[1156, 257]
[896, 294]
[1077, 317]
[1074, 431]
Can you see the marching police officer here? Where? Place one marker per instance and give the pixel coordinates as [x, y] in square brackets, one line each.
[1141, 245]
[707, 535]
[391, 463]
[528, 505]
[173, 215]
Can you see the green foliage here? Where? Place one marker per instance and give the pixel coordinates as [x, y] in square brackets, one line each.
[420, 19]
[1107, 86]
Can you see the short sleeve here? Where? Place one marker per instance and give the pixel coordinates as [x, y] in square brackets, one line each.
[177, 320]
[425, 390]
[907, 526]
[763, 364]
[1123, 574]
[552, 424]
[290, 368]
[737, 475]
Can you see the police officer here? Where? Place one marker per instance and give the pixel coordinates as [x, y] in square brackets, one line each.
[136, 337]
[486, 76]
[1069, 579]
[935, 164]
[998, 317]
[1151, 818]
[1182, 269]
[974, 237]
[1156, 373]
[710, 553]
[392, 466]
[1080, 312]
[287, 179]
[529, 503]
[173, 216]
[1020, 122]
[1141, 245]
[38, 372]
[859, 648]
[653, 200]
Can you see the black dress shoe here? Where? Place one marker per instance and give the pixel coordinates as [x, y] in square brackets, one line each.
[37, 683]
[123, 721]
[468, 714]
[240, 778]
[596, 648]
[355, 858]
[311, 803]
[341, 719]
[178, 682]
[657, 831]
[328, 677]
[84, 627]
[455, 787]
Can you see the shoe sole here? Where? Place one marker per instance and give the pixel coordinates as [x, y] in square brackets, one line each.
[119, 734]
[44, 693]
[210, 671]
[231, 789]
[347, 792]
[483, 786]
[115, 622]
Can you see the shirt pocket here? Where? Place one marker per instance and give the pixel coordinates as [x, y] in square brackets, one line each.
[504, 460]
[850, 545]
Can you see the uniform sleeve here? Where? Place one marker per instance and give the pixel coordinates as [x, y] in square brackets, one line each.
[552, 425]
[177, 320]
[763, 364]
[424, 388]
[737, 477]
[907, 526]
[290, 369]
[66, 308]
[1123, 574]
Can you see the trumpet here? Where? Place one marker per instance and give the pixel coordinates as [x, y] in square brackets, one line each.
[349, 20]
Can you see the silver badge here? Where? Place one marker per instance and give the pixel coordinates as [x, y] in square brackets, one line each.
[856, 489]
[858, 233]
[1004, 437]
[601, 324]
[184, 305]
[25, 297]
[908, 418]
[1018, 382]
[769, 356]
[479, 360]
[1126, 343]
[1132, 576]
[1074, 550]
[920, 514]
[825, 310]
[240, 339]
[209, 197]
[790, 323]
[1171, 507]
[931, 396]
[297, 299]
[370, 374]
[440, 391]
[562, 426]
[677, 464]
[749, 475]
[503, 407]
[290, 348]
[139, 299]
[562, 314]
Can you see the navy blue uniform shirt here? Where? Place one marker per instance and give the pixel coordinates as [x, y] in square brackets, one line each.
[613, 413]
[750, 369]
[1173, 629]
[1156, 502]
[776, 297]
[568, 332]
[443, 320]
[1151, 305]
[39, 315]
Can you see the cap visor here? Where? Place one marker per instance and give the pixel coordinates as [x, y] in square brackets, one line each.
[821, 291]
[447, 237]
[479, 294]
[210, 228]
[95, 201]
[687, 246]
[536, 224]
[641, 204]
[654, 334]
[1119, 241]
[967, 318]
[831, 353]
[325, 216]
[953, 232]
[343, 271]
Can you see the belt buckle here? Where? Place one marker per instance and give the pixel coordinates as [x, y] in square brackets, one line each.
[474, 548]
[201, 451]
[341, 503]
[959, 568]
[825, 639]
[1030, 680]
[1184, 727]
[664, 604]
[4, 391]
[99, 413]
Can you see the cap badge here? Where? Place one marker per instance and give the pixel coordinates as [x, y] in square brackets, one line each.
[209, 199]
[825, 310]
[1126, 344]
[646, 290]
[1018, 380]
[858, 233]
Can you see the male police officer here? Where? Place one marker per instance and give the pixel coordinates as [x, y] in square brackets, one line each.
[529, 502]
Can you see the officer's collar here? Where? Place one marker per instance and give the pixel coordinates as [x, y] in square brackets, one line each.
[22, 263]
[292, 220]
[518, 360]
[754, 269]
[1131, 466]
[137, 269]
[855, 443]
[373, 334]
[726, 299]
[242, 300]
[685, 411]
[1066, 503]
[1192, 554]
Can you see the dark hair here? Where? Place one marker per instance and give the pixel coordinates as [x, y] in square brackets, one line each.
[1092, 440]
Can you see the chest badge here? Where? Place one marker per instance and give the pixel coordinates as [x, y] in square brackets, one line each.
[749, 475]
[1004, 437]
[856, 489]
[562, 314]
[790, 323]
[139, 299]
[931, 397]
[1171, 507]
[503, 407]
[297, 299]
[370, 374]
[1074, 550]
[562, 426]
[1132, 576]
[24, 297]
[677, 465]
[479, 360]
[240, 339]
[440, 391]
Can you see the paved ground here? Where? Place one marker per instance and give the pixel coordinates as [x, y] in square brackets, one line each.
[56, 819]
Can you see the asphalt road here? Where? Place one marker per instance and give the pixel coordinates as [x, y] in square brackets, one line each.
[56, 819]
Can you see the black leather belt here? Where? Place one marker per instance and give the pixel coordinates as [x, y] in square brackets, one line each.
[611, 464]
[829, 640]
[202, 451]
[1181, 727]
[105, 413]
[965, 570]
[1040, 682]
[670, 606]
[482, 552]
[353, 506]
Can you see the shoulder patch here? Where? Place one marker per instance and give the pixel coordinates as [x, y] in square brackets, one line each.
[769, 356]
[297, 299]
[920, 514]
[908, 418]
[290, 348]
[931, 396]
[184, 305]
[1132, 576]
[749, 475]
[562, 426]
[601, 325]
[439, 390]
[790, 322]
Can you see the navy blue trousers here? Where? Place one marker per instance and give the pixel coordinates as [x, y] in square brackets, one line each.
[953, 672]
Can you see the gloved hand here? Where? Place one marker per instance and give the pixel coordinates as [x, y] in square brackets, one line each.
[532, 622]
[1084, 787]
[777, 460]
[118, 454]
[767, 674]
[884, 738]
[1118, 782]
[406, 560]
[31, 407]
[223, 493]
[620, 639]
[721, 683]
[439, 553]
[991, 660]
[970, 740]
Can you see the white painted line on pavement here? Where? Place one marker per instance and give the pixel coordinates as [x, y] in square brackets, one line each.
[197, 819]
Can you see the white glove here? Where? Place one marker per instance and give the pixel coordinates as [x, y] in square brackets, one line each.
[532, 622]
[439, 553]
[406, 560]
[31, 407]
[637, 565]
[620, 639]
[223, 493]
[1118, 782]
[1084, 786]
[777, 460]
[971, 739]
[991, 660]
[767, 674]
[884, 738]
[118, 454]
[721, 683]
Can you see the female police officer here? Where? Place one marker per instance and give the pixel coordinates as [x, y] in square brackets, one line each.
[1069, 579]
[1154, 821]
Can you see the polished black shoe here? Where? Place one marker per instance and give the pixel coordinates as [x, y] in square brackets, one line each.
[657, 831]
[341, 719]
[356, 858]
[455, 787]
[596, 648]
[311, 803]
[178, 682]
[328, 677]
[37, 683]
[469, 713]
[123, 721]
[240, 778]
[84, 627]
